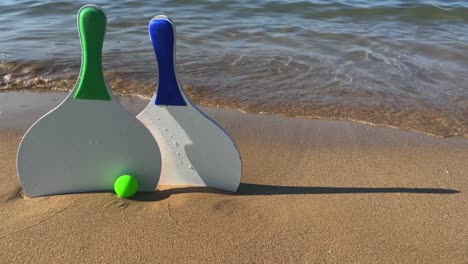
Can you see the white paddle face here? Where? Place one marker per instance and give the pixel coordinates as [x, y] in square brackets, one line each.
[85, 145]
[195, 150]
[89, 140]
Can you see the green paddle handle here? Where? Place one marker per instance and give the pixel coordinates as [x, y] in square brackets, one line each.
[92, 28]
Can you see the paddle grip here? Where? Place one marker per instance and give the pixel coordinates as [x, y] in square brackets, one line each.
[162, 34]
[92, 29]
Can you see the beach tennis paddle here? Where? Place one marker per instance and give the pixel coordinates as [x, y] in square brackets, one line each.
[195, 150]
[89, 140]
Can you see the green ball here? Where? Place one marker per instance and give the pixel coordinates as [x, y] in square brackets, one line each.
[126, 186]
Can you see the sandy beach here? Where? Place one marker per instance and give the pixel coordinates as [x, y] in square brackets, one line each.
[312, 191]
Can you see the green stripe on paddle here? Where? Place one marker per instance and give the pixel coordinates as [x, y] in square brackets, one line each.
[92, 28]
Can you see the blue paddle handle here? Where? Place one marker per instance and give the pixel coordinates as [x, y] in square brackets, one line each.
[162, 35]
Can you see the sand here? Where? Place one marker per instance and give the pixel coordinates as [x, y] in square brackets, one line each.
[312, 191]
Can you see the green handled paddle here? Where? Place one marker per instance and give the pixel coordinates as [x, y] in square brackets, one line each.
[89, 140]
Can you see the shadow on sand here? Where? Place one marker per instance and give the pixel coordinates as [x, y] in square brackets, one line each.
[247, 189]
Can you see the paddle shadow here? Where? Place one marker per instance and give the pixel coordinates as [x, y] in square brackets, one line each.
[251, 189]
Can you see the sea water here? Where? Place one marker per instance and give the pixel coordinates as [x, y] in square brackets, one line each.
[394, 63]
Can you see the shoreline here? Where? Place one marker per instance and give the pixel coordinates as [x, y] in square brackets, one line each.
[134, 104]
[312, 191]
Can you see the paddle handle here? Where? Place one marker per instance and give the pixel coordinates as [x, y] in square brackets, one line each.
[92, 29]
[162, 34]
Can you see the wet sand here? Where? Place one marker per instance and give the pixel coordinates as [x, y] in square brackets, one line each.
[313, 191]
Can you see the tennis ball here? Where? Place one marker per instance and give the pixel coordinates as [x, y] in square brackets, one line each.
[126, 186]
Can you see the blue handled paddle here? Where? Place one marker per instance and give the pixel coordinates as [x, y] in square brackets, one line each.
[195, 150]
